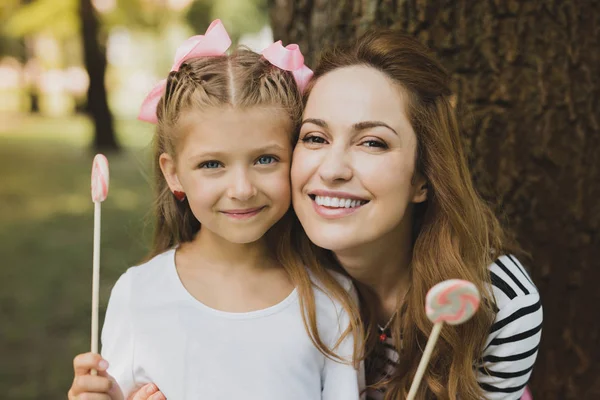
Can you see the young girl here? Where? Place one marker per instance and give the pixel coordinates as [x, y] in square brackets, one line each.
[225, 309]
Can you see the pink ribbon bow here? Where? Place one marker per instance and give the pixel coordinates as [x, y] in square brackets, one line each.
[289, 58]
[214, 42]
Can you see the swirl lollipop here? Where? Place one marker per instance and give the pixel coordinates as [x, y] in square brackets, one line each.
[99, 193]
[453, 302]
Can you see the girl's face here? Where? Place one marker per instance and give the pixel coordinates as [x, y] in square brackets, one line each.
[233, 166]
[352, 175]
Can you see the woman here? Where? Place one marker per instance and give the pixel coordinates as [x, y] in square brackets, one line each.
[380, 180]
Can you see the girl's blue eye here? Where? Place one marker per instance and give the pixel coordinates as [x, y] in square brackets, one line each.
[266, 160]
[210, 164]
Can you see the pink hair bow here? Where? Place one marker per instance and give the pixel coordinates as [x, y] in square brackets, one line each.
[289, 58]
[214, 42]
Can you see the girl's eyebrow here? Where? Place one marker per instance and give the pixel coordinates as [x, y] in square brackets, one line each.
[270, 148]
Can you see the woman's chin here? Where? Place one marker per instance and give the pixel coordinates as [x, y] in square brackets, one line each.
[334, 241]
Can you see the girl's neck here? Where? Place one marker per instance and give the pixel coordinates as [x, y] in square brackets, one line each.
[381, 269]
[212, 250]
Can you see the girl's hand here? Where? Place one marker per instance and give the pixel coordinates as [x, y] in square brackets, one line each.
[87, 386]
[147, 392]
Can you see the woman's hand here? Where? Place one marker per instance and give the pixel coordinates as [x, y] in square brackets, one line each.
[93, 387]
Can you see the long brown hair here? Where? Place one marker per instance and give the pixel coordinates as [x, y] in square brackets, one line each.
[456, 234]
[242, 79]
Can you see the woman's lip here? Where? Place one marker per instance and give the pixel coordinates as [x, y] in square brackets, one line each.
[334, 213]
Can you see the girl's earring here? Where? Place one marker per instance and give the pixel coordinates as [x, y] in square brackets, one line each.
[179, 195]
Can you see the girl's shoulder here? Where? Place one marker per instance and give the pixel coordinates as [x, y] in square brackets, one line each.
[324, 297]
[150, 275]
[344, 281]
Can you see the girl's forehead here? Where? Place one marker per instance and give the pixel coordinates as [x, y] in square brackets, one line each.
[229, 127]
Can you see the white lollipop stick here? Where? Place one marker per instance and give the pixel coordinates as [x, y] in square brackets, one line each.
[99, 193]
[453, 301]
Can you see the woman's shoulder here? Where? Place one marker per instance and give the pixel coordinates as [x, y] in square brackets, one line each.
[512, 344]
[510, 281]
[519, 312]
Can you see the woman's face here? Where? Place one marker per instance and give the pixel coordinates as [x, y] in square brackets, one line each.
[353, 165]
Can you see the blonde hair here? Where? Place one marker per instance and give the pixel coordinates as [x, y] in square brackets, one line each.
[456, 234]
[242, 79]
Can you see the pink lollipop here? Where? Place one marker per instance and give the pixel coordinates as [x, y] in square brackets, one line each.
[99, 193]
[99, 178]
[453, 301]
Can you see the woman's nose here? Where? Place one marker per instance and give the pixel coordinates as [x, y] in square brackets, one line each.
[335, 166]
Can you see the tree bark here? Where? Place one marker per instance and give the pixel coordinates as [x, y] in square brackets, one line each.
[95, 63]
[528, 76]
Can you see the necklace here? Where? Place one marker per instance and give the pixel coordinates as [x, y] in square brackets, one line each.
[382, 335]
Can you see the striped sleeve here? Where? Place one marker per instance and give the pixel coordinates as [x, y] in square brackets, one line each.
[512, 345]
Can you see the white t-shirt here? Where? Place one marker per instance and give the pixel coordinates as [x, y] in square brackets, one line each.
[156, 331]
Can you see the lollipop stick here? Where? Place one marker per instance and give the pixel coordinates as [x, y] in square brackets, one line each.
[435, 333]
[96, 279]
[99, 187]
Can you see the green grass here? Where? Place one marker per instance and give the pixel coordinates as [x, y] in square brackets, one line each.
[46, 223]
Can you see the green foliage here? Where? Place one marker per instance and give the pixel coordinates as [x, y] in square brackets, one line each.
[61, 17]
[58, 17]
[198, 15]
[238, 16]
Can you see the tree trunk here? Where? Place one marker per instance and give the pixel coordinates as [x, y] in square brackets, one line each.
[527, 73]
[95, 63]
[26, 55]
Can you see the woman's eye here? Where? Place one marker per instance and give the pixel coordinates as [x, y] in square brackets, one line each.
[210, 164]
[266, 160]
[374, 143]
[313, 139]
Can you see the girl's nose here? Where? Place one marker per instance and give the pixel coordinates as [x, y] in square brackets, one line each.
[241, 187]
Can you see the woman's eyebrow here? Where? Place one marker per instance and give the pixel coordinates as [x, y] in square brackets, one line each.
[318, 122]
[361, 126]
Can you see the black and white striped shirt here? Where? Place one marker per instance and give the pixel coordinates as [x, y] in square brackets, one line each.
[512, 344]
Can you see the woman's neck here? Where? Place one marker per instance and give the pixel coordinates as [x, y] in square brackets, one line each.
[381, 269]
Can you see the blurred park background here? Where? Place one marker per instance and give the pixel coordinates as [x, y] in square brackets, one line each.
[50, 51]
[74, 72]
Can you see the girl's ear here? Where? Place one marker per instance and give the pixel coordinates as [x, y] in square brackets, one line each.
[169, 171]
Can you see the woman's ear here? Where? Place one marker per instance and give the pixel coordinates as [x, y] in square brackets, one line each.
[169, 171]
[421, 187]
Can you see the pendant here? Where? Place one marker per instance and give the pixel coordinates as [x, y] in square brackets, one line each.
[382, 337]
